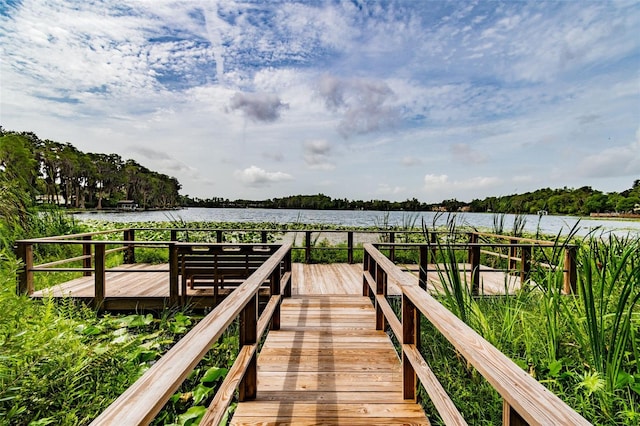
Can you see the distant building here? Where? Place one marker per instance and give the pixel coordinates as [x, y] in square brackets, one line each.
[127, 205]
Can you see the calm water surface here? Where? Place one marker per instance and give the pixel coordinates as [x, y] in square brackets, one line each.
[546, 224]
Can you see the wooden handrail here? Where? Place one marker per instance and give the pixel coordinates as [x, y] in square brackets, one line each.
[142, 401]
[534, 403]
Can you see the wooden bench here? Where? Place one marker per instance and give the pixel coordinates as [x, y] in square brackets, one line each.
[217, 266]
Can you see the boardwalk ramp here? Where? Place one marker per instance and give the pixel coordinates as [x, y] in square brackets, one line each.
[328, 365]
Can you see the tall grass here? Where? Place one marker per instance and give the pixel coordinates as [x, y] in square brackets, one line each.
[605, 317]
[585, 347]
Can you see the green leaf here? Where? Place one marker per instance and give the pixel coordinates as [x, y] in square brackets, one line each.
[192, 416]
[121, 339]
[554, 368]
[42, 422]
[213, 374]
[200, 393]
[624, 379]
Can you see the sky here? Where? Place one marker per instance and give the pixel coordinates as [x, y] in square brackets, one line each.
[391, 100]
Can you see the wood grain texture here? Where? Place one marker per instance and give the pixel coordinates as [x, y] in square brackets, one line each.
[319, 369]
[530, 399]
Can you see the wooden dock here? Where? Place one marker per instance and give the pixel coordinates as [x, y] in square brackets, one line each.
[149, 284]
[318, 369]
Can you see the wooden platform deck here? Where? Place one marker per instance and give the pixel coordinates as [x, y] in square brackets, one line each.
[151, 282]
[318, 370]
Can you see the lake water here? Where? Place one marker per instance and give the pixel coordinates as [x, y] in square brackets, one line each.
[546, 224]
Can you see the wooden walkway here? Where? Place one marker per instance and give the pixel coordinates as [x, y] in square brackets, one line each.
[318, 370]
[152, 281]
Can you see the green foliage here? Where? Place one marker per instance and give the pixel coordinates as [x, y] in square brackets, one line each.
[62, 364]
[585, 348]
[53, 171]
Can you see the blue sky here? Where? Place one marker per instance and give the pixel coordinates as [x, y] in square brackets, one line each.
[363, 100]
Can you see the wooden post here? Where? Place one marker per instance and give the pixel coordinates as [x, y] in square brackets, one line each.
[510, 417]
[100, 277]
[130, 253]
[410, 336]
[248, 336]
[275, 278]
[174, 235]
[219, 236]
[263, 237]
[174, 271]
[287, 268]
[513, 255]
[424, 265]
[392, 249]
[473, 239]
[570, 273]
[366, 259]
[474, 259]
[525, 264]
[24, 252]
[350, 247]
[307, 245]
[434, 247]
[381, 289]
[86, 251]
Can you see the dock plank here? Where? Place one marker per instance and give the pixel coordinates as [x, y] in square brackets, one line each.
[318, 370]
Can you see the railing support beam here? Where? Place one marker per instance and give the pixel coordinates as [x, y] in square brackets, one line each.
[86, 251]
[130, 253]
[570, 272]
[100, 277]
[24, 252]
[248, 387]
[410, 336]
[510, 417]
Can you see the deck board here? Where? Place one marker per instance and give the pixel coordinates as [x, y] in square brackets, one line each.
[149, 281]
[318, 369]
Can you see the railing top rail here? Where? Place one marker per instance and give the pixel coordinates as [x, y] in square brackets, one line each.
[66, 237]
[463, 245]
[96, 242]
[514, 238]
[535, 403]
[142, 401]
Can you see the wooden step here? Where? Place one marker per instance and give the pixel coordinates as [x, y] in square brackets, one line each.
[328, 365]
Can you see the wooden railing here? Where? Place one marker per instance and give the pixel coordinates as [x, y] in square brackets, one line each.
[526, 402]
[520, 255]
[520, 252]
[142, 401]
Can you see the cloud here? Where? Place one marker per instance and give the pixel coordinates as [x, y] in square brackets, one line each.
[316, 155]
[466, 153]
[612, 161]
[263, 107]
[166, 163]
[411, 161]
[151, 154]
[256, 177]
[436, 183]
[365, 104]
[386, 189]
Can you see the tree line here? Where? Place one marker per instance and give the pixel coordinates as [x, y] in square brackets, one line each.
[58, 173]
[565, 201]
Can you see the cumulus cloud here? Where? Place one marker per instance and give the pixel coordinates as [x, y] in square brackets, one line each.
[165, 162]
[264, 107]
[466, 153]
[434, 183]
[257, 177]
[317, 153]
[613, 161]
[386, 189]
[365, 104]
[411, 161]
